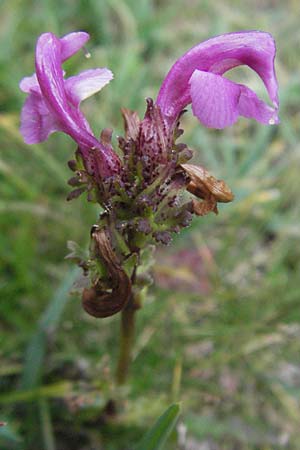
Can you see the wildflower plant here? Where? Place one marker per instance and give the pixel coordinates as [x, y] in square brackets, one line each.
[147, 189]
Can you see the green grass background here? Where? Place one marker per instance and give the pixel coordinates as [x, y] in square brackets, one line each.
[221, 334]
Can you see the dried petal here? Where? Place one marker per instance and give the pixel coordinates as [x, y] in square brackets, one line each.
[98, 302]
[203, 184]
[206, 206]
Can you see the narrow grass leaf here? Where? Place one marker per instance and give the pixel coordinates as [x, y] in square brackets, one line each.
[159, 433]
[37, 346]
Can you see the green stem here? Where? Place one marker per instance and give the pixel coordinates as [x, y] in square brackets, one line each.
[127, 332]
[47, 429]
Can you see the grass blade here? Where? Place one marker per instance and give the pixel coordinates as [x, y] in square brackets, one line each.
[37, 346]
[159, 433]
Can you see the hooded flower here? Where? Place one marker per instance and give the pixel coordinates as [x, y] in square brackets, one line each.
[197, 78]
[53, 101]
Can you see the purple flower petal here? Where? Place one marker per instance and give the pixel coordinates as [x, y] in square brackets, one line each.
[252, 107]
[36, 120]
[86, 84]
[217, 102]
[50, 77]
[217, 55]
[52, 85]
[214, 99]
[29, 84]
[71, 43]
[53, 102]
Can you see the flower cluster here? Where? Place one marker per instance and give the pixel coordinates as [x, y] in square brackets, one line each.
[142, 191]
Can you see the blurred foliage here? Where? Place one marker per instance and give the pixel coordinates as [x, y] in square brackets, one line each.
[221, 330]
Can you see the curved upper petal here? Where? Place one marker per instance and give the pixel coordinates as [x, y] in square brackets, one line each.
[217, 55]
[50, 77]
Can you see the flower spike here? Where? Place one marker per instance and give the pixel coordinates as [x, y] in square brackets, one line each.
[197, 78]
[151, 191]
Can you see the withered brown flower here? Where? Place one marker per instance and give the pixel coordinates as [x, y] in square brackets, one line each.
[205, 186]
[96, 300]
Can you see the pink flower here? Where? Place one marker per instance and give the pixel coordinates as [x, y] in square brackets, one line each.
[53, 101]
[197, 78]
